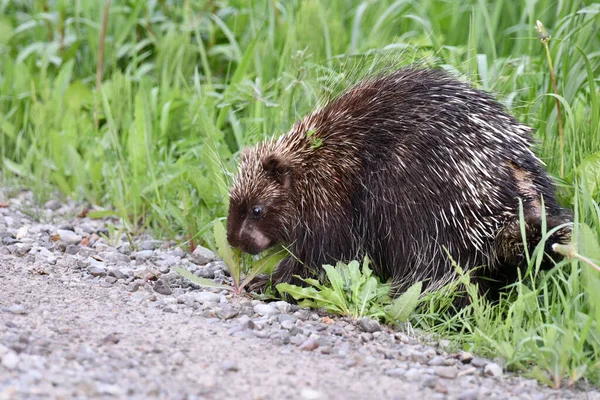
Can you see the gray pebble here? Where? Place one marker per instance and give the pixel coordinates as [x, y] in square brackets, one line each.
[208, 271]
[309, 344]
[162, 287]
[113, 257]
[110, 280]
[446, 372]
[430, 382]
[227, 312]
[52, 204]
[72, 249]
[151, 244]
[478, 362]
[171, 308]
[96, 270]
[10, 360]
[23, 248]
[142, 255]
[177, 252]
[265, 309]
[230, 366]
[8, 240]
[395, 372]
[133, 286]
[413, 375]
[493, 369]
[369, 325]
[437, 361]
[202, 255]
[117, 274]
[206, 297]
[68, 236]
[17, 309]
[282, 306]
[287, 324]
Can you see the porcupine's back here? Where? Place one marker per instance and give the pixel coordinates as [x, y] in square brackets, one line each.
[398, 168]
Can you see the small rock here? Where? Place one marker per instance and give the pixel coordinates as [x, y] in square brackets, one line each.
[17, 309]
[117, 274]
[96, 270]
[309, 345]
[133, 286]
[202, 255]
[230, 366]
[22, 232]
[23, 248]
[282, 306]
[113, 257]
[430, 382]
[369, 325]
[395, 372]
[413, 374]
[227, 312]
[8, 240]
[110, 280]
[210, 270]
[69, 237]
[446, 372]
[112, 338]
[52, 204]
[162, 287]
[265, 309]
[465, 357]
[171, 308]
[72, 249]
[436, 361]
[287, 324]
[206, 297]
[478, 362]
[493, 369]
[151, 244]
[10, 360]
[310, 394]
[142, 255]
[177, 252]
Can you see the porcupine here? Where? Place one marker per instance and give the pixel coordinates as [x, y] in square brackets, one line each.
[415, 169]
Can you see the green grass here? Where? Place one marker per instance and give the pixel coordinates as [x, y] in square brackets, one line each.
[185, 85]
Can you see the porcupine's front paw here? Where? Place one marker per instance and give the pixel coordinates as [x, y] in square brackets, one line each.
[258, 284]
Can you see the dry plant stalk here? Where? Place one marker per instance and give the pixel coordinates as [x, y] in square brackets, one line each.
[545, 38]
[101, 58]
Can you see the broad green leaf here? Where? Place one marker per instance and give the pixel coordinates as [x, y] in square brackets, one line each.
[403, 306]
[264, 264]
[589, 172]
[226, 252]
[199, 280]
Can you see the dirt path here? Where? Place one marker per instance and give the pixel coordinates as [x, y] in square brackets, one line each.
[81, 340]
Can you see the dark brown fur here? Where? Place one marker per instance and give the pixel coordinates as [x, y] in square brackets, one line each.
[398, 168]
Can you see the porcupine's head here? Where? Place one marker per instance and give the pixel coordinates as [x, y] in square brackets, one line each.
[261, 211]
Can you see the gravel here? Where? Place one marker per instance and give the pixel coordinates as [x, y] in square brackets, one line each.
[83, 317]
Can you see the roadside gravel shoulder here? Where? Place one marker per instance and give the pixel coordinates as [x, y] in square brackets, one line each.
[81, 317]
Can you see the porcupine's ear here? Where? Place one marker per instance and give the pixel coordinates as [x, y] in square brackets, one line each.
[279, 170]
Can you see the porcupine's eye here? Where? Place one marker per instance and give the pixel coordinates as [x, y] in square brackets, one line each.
[257, 211]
